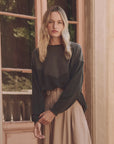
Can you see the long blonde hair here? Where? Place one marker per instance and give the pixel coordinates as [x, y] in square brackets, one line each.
[44, 36]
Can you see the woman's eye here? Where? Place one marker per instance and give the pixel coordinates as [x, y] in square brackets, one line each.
[60, 22]
[50, 21]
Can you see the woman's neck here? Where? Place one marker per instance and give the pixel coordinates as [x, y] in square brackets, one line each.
[55, 41]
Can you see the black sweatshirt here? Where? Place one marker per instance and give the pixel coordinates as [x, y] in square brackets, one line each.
[57, 72]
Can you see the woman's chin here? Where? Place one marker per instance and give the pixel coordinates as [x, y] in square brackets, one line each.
[55, 36]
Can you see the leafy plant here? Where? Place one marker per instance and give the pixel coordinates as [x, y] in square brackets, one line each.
[15, 81]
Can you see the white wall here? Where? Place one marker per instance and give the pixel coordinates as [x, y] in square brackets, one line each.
[100, 104]
[110, 69]
[103, 71]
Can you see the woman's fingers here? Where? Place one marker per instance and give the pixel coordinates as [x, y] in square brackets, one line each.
[43, 121]
[37, 131]
[46, 117]
[41, 114]
[38, 134]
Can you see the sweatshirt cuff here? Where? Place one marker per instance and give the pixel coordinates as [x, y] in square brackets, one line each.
[35, 118]
[54, 111]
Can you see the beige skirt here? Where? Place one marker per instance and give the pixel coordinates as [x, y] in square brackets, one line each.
[69, 127]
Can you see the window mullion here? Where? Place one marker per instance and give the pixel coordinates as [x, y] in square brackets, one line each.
[40, 8]
[17, 15]
[37, 21]
[73, 22]
[29, 92]
[80, 7]
[17, 70]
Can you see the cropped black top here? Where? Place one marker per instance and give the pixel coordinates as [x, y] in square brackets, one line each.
[57, 72]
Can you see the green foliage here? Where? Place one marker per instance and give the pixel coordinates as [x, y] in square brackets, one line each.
[15, 81]
[19, 32]
[72, 32]
[50, 2]
[23, 32]
[7, 5]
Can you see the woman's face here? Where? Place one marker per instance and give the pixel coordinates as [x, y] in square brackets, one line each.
[55, 25]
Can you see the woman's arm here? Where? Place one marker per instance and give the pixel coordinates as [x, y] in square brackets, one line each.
[37, 95]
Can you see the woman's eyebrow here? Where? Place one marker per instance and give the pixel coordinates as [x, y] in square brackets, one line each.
[60, 20]
[57, 20]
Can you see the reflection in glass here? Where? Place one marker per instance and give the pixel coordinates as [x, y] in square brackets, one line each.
[72, 30]
[17, 107]
[16, 81]
[25, 7]
[18, 42]
[68, 5]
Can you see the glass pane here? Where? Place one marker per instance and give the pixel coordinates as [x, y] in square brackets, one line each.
[73, 32]
[18, 6]
[16, 81]
[68, 5]
[17, 107]
[18, 42]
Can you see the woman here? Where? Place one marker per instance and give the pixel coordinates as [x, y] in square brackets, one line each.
[58, 104]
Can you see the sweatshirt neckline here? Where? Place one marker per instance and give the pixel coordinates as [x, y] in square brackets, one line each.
[57, 45]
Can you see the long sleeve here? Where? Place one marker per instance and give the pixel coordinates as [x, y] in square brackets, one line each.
[37, 95]
[72, 90]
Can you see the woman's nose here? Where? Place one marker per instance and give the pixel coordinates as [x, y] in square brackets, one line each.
[55, 25]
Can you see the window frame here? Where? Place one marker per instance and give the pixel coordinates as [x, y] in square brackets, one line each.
[40, 7]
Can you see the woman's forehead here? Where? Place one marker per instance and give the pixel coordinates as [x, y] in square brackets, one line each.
[55, 16]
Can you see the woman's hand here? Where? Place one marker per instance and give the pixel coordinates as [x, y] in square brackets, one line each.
[46, 117]
[37, 131]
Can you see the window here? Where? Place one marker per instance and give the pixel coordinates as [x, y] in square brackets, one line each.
[17, 44]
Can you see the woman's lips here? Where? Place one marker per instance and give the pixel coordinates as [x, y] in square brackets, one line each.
[54, 31]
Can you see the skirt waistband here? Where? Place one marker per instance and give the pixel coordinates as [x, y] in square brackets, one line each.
[52, 97]
[50, 92]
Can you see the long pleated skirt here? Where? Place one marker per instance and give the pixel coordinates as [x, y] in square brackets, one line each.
[69, 127]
